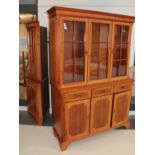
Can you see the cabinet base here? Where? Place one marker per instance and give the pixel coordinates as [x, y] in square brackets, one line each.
[64, 145]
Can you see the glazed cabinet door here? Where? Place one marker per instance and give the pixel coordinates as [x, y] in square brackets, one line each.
[121, 108]
[121, 49]
[74, 50]
[99, 47]
[101, 108]
[34, 59]
[35, 101]
[77, 118]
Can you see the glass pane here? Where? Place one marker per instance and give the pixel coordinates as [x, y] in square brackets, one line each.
[74, 49]
[99, 51]
[125, 31]
[68, 30]
[79, 62]
[115, 68]
[122, 68]
[94, 66]
[103, 64]
[68, 62]
[116, 53]
[118, 33]
[124, 50]
[95, 32]
[79, 31]
[104, 32]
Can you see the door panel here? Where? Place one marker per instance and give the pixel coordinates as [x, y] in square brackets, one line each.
[99, 50]
[34, 55]
[35, 101]
[121, 108]
[74, 51]
[101, 108]
[77, 118]
[120, 54]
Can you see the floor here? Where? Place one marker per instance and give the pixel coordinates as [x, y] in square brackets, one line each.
[40, 140]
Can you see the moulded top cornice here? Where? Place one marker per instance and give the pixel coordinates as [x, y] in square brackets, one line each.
[64, 11]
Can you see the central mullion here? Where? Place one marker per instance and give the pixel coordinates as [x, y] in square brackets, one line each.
[99, 53]
[120, 52]
[74, 51]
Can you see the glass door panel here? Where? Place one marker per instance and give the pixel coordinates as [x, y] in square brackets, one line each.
[120, 53]
[74, 51]
[99, 51]
[31, 53]
[115, 68]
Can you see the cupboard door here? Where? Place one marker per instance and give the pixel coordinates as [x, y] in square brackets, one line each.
[74, 50]
[100, 49]
[77, 118]
[121, 108]
[35, 101]
[101, 108]
[34, 58]
[121, 44]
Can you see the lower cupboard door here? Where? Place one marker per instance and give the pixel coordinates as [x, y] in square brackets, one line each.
[101, 108]
[35, 101]
[121, 108]
[77, 118]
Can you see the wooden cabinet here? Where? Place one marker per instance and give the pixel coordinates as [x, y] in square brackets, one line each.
[37, 78]
[89, 56]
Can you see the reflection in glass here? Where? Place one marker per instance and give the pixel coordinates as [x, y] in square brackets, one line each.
[124, 51]
[115, 68]
[125, 31]
[120, 53]
[122, 68]
[74, 49]
[116, 53]
[99, 51]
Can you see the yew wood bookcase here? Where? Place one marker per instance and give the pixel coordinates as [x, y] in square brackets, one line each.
[89, 59]
[37, 77]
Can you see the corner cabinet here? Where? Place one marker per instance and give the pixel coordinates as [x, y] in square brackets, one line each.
[89, 59]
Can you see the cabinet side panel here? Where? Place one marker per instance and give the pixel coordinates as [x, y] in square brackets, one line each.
[43, 50]
[58, 113]
[45, 97]
[54, 52]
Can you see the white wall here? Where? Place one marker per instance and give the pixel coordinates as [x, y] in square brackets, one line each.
[126, 7]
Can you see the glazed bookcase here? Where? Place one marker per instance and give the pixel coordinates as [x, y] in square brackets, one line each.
[89, 59]
[37, 76]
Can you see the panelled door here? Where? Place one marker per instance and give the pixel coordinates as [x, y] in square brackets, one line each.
[34, 101]
[101, 108]
[74, 50]
[77, 118]
[121, 48]
[99, 48]
[121, 108]
[34, 59]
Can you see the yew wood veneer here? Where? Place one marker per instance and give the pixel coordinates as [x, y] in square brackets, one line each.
[89, 59]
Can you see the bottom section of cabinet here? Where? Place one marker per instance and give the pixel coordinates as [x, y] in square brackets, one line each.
[64, 144]
[38, 100]
[89, 117]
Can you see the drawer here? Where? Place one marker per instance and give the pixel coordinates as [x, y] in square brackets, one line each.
[122, 87]
[102, 91]
[77, 95]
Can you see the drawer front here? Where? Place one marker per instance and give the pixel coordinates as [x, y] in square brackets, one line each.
[122, 87]
[77, 95]
[102, 91]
